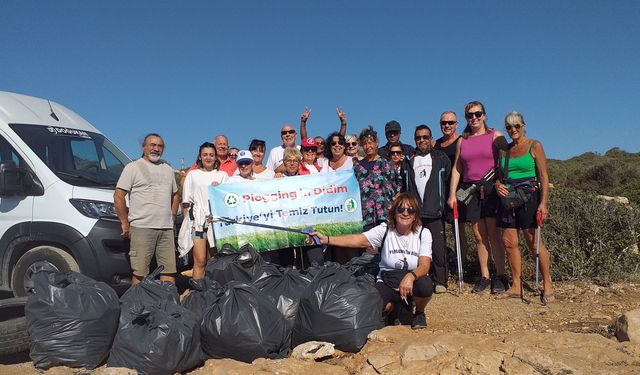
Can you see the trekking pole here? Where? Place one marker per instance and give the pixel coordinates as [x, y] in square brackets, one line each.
[458, 249]
[305, 231]
[538, 229]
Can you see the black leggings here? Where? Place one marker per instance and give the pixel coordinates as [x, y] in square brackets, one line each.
[423, 287]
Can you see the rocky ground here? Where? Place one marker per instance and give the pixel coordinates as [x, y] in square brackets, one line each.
[470, 334]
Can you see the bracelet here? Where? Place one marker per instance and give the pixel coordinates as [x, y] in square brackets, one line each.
[328, 240]
[414, 275]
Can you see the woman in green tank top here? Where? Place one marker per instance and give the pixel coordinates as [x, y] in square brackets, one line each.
[526, 161]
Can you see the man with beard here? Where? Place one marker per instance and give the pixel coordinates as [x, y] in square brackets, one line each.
[153, 204]
[288, 136]
[428, 172]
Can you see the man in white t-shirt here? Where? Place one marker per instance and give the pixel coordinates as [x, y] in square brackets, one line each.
[153, 204]
[288, 136]
[427, 174]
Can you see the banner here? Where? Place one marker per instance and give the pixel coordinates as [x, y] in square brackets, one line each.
[329, 202]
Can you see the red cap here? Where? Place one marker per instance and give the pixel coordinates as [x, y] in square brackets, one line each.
[309, 142]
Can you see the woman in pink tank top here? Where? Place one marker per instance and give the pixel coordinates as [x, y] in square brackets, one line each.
[476, 155]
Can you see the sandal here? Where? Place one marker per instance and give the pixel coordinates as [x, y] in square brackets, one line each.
[507, 295]
[547, 298]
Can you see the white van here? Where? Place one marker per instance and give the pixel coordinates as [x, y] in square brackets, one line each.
[57, 178]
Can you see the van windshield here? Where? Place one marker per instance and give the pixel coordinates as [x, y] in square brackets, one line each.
[78, 157]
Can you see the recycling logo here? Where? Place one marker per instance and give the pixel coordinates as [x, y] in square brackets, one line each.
[350, 205]
[231, 199]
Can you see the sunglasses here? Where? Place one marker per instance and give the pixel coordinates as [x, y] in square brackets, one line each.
[476, 114]
[395, 153]
[516, 126]
[423, 137]
[450, 123]
[319, 143]
[244, 164]
[352, 144]
[232, 156]
[305, 149]
[410, 210]
[336, 143]
[285, 132]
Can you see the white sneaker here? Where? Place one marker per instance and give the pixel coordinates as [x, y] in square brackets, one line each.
[440, 289]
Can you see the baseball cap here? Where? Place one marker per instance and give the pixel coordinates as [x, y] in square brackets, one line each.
[244, 156]
[391, 126]
[309, 142]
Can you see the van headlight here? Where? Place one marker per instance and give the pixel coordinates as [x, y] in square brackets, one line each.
[94, 209]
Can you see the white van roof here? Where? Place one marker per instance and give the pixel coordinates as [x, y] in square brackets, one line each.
[24, 109]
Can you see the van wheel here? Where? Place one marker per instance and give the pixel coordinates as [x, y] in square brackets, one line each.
[14, 337]
[37, 259]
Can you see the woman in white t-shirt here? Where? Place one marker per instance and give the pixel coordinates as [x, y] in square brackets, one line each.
[405, 259]
[195, 204]
[338, 160]
[257, 147]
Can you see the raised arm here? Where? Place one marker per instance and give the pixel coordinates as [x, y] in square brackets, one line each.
[303, 122]
[343, 121]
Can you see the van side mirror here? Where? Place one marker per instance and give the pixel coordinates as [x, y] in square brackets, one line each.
[17, 181]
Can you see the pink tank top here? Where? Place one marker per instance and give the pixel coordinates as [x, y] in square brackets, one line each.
[478, 156]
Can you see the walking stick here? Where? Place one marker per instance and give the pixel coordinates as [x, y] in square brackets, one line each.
[305, 231]
[538, 229]
[458, 250]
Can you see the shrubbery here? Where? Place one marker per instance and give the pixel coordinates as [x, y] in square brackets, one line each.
[588, 238]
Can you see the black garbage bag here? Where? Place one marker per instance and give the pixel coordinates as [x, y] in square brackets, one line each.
[244, 325]
[158, 338]
[365, 264]
[339, 308]
[230, 264]
[204, 293]
[150, 291]
[283, 286]
[72, 320]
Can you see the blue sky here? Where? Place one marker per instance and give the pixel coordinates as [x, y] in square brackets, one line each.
[192, 69]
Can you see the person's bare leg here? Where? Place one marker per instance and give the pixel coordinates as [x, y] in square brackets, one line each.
[482, 245]
[199, 258]
[510, 240]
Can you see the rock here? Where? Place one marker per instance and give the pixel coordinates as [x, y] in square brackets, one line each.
[385, 361]
[313, 350]
[628, 326]
[513, 366]
[600, 316]
[421, 352]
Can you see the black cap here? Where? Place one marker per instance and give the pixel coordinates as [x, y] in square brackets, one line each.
[391, 126]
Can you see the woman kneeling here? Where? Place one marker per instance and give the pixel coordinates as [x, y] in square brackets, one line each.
[405, 259]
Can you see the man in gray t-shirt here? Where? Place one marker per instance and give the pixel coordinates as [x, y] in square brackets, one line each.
[153, 203]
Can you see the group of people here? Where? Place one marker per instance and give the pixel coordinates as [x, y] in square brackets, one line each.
[407, 195]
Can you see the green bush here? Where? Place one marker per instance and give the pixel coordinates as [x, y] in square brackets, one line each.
[589, 237]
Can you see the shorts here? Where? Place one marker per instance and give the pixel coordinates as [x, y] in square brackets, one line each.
[200, 235]
[520, 218]
[423, 287]
[478, 208]
[147, 242]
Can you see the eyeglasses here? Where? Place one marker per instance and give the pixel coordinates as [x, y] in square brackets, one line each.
[336, 143]
[291, 161]
[516, 126]
[477, 114]
[450, 123]
[285, 132]
[232, 156]
[423, 137]
[352, 144]
[410, 210]
[395, 153]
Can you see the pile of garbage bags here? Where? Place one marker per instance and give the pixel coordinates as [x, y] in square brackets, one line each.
[244, 309]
